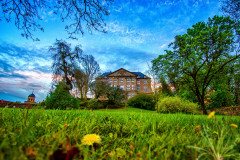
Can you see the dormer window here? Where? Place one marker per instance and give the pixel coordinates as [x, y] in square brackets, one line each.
[138, 76]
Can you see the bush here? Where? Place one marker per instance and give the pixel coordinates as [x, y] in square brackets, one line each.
[176, 104]
[61, 99]
[221, 98]
[94, 104]
[143, 101]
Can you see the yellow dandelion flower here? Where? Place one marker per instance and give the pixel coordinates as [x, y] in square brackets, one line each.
[211, 114]
[234, 125]
[215, 132]
[197, 127]
[90, 139]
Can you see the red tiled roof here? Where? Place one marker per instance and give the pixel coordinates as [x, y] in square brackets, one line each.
[3, 101]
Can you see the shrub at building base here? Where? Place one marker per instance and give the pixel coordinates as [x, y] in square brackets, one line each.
[176, 104]
[61, 99]
[94, 104]
[143, 101]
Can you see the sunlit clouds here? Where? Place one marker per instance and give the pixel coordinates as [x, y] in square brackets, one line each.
[137, 32]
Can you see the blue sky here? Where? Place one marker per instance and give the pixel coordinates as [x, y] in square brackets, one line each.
[138, 31]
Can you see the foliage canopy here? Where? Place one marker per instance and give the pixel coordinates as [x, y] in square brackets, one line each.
[143, 101]
[60, 98]
[198, 56]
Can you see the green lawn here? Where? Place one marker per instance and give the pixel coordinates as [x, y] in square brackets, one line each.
[125, 134]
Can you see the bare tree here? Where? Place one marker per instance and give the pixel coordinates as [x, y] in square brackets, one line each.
[26, 14]
[64, 61]
[86, 73]
[79, 81]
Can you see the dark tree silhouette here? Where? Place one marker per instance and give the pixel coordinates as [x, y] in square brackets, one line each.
[26, 14]
[65, 61]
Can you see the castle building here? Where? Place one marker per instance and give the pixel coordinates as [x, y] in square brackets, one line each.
[31, 99]
[132, 82]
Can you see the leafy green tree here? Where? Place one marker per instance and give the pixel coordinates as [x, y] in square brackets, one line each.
[237, 83]
[64, 61]
[232, 8]
[115, 94]
[60, 98]
[98, 88]
[187, 94]
[198, 56]
[165, 88]
[222, 85]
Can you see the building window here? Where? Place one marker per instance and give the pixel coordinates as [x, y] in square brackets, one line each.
[128, 80]
[129, 95]
[133, 94]
[128, 87]
[115, 80]
[138, 82]
[133, 80]
[122, 87]
[145, 82]
[115, 85]
[145, 88]
[133, 87]
[138, 88]
[110, 80]
[121, 80]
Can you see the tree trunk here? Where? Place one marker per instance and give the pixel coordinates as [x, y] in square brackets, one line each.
[81, 92]
[201, 101]
[156, 100]
[237, 91]
[203, 107]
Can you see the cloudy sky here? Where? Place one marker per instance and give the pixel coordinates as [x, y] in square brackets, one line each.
[138, 31]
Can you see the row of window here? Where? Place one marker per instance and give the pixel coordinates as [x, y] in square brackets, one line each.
[128, 80]
[133, 87]
[129, 95]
